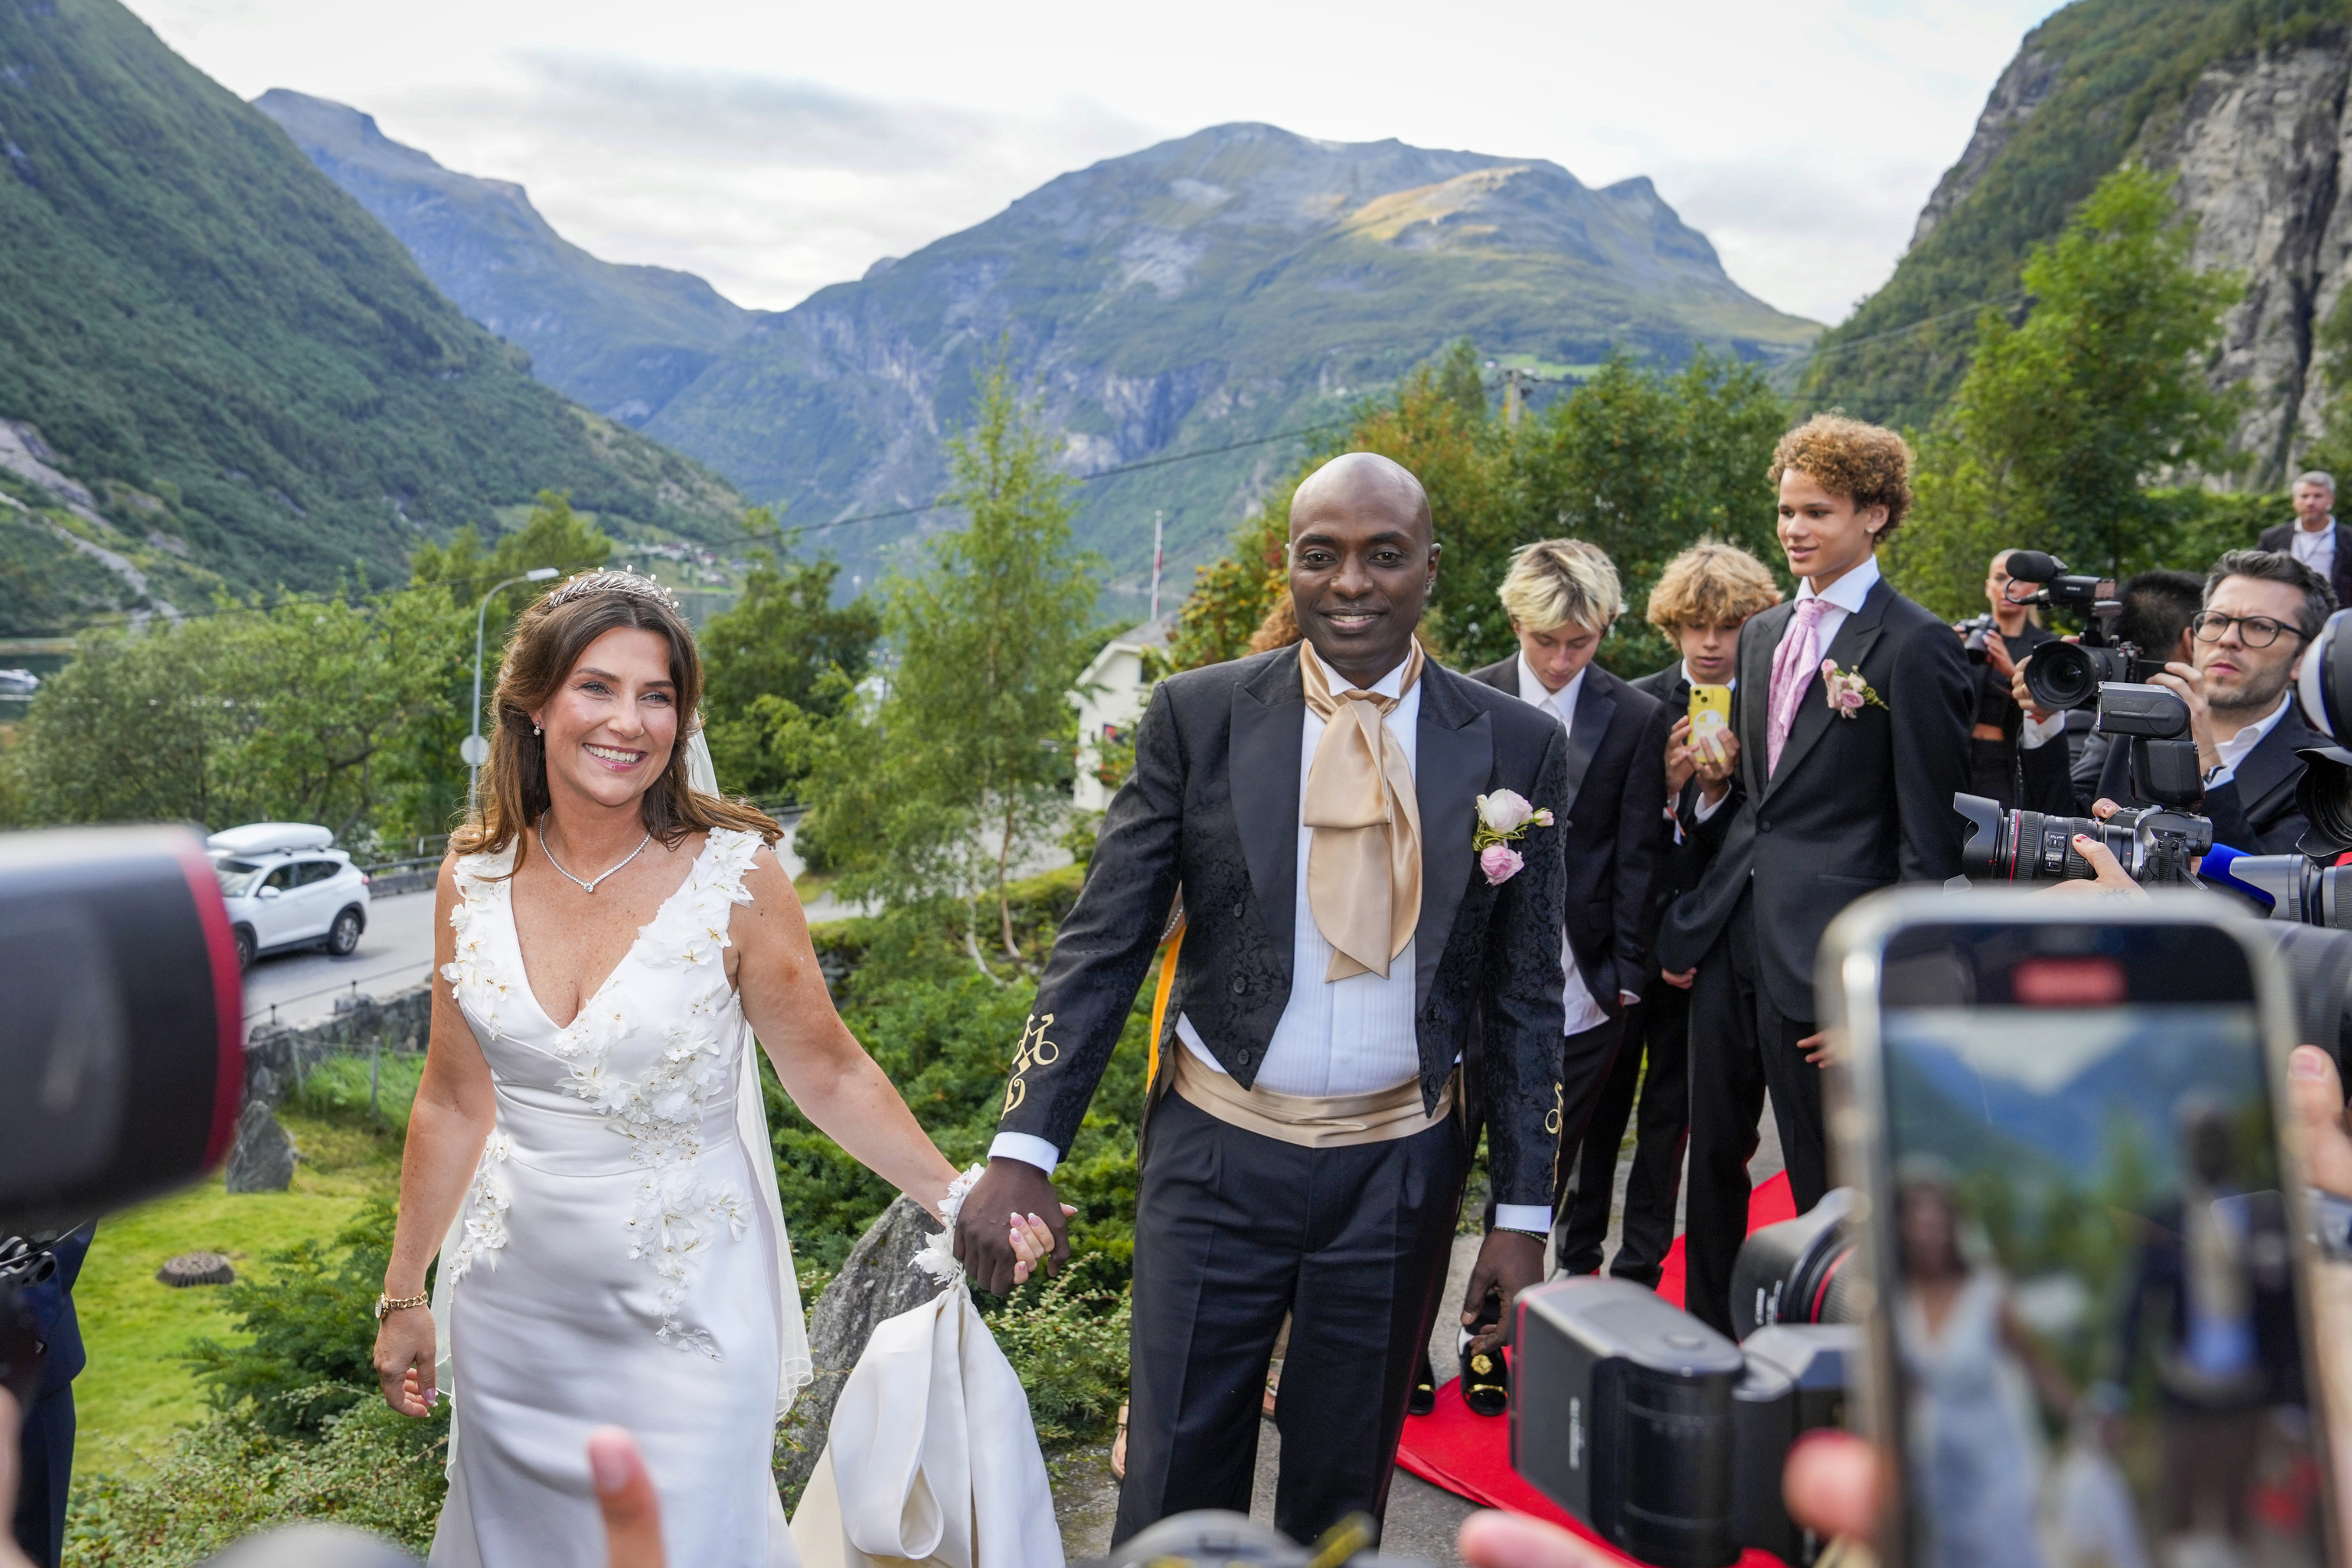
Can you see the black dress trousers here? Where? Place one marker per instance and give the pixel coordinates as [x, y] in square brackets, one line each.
[1232, 1231]
[1658, 1030]
[1740, 1045]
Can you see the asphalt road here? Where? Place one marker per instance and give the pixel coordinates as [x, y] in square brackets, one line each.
[395, 952]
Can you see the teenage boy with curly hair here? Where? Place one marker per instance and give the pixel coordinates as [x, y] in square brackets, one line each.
[1853, 714]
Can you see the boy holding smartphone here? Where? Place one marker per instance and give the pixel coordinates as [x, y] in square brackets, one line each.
[1701, 600]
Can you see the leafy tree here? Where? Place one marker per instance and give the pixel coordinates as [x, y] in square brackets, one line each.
[780, 640]
[245, 715]
[2059, 422]
[962, 767]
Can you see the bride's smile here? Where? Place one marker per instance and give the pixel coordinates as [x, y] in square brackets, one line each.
[610, 728]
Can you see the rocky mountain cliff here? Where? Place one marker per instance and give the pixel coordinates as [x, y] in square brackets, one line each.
[2251, 112]
[622, 340]
[1208, 292]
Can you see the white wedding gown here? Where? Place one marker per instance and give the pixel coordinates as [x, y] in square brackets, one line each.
[621, 1255]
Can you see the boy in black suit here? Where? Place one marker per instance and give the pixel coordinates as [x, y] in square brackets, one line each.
[1701, 600]
[1561, 596]
[1852, 715]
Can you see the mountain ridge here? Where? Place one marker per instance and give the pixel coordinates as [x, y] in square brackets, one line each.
[1209, 291]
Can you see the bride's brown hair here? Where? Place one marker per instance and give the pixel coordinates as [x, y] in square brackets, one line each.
[549, 640]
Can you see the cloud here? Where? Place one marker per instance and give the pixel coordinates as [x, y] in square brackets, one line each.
[769, 187]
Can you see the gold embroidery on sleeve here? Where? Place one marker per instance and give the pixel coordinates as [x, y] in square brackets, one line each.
[1034, 1050]
[1552, 1121]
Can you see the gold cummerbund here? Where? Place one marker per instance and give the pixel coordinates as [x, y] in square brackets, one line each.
[1309, 1120]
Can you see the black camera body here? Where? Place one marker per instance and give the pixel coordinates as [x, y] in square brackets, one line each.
[1973, 633]
[2069, 675]
[1663, 1436]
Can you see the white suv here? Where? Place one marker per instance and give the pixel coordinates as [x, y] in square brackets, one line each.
[285, 888]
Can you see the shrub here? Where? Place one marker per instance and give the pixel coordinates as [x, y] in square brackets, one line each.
[369, 1469]
[313, 1321]
[1068, 1341]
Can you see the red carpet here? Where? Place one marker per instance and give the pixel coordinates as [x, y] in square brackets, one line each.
[1470, 1455]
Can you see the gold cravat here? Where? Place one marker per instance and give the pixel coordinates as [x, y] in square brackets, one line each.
[1363, 862]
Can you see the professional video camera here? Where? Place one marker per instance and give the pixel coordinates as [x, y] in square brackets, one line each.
[2069, 674]
[1664, 1437]
[120, 1045]
[2157, 843]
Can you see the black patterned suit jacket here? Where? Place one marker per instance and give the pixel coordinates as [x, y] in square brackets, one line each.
[1212, 806]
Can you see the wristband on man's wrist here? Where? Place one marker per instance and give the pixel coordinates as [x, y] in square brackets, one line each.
[1522, 1230]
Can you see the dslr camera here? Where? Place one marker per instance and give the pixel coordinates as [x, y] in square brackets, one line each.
[2069, 675]
[1667, 1438]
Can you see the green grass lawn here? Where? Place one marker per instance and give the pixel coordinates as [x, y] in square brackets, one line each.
[135, 1390]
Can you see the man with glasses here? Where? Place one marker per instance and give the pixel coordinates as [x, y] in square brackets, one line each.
[2261, 609]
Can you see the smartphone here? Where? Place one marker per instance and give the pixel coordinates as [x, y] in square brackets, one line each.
[1715, 700]
[2089, 1269]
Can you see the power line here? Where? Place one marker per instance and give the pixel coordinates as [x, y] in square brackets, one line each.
[1924, 322]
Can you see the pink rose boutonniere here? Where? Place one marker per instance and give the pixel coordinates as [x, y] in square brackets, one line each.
[1503, 818]
[1848, 693]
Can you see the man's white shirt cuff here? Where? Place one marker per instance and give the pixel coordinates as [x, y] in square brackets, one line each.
[1026, 1147]
[1536, 1217]
[1708, 808]
[2036, 733]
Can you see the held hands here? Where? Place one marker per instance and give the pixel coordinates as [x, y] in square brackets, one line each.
[999, 1256]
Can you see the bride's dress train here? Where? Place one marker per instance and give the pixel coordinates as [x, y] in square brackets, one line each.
[621, 1255]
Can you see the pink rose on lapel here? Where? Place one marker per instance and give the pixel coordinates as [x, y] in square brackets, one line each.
[1500, 862]
[1847, 691]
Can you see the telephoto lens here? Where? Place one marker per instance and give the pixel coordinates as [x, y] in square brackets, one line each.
[2062, 675]
[2030, 847]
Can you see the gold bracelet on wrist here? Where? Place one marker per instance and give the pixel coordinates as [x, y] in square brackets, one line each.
[385, 1305]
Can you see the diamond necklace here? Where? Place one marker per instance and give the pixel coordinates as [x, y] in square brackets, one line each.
[589, 886]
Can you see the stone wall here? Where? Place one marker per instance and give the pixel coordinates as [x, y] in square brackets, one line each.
[278, 1057]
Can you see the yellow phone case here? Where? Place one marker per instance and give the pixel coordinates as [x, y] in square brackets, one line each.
[1715, 700]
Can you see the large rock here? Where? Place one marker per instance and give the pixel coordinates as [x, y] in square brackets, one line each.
[878, 1282]
[262, 1159]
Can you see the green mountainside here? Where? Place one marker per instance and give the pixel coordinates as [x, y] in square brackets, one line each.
[246, 374]
[1233, 285]
[2085, 89]
[622, 340]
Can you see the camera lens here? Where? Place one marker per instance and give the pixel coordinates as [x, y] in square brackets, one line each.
[2064, 675]
[1990, 852]
[2325, 795]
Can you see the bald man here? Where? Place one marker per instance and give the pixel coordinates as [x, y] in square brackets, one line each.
[1302, 1153]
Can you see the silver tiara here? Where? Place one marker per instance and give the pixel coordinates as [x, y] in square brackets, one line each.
[624, 581]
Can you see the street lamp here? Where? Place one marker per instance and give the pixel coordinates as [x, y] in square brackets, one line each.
[476, 751]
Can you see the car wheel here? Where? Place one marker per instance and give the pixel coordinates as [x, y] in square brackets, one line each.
[344, 934]
[245, 952]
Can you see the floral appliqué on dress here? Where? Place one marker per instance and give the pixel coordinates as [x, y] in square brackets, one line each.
[678, 1215]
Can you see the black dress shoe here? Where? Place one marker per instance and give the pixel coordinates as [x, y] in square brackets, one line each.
[1486, 1379]
[1424, 1387]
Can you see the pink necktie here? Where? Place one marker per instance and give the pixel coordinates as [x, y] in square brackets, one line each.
[1794, 664]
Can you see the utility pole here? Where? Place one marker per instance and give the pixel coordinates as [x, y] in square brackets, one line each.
[476, 751]
[1513, 399]
[1158, 518]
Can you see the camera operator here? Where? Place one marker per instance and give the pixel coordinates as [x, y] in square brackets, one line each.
[2260, 609]
[2064, 779]
[2003, 638]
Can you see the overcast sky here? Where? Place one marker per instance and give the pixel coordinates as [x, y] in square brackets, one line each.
[775, 146]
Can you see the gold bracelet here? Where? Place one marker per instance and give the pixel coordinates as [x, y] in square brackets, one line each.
[387, 1304]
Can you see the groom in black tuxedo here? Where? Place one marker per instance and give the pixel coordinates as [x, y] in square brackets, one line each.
[1834, 801]
[1303, 1154]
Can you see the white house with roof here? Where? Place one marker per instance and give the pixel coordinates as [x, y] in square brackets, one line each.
[1110, 699]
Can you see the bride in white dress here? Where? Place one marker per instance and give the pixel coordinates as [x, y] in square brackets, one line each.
[588, 1153]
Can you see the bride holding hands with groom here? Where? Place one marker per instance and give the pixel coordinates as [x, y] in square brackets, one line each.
[588, 1153]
